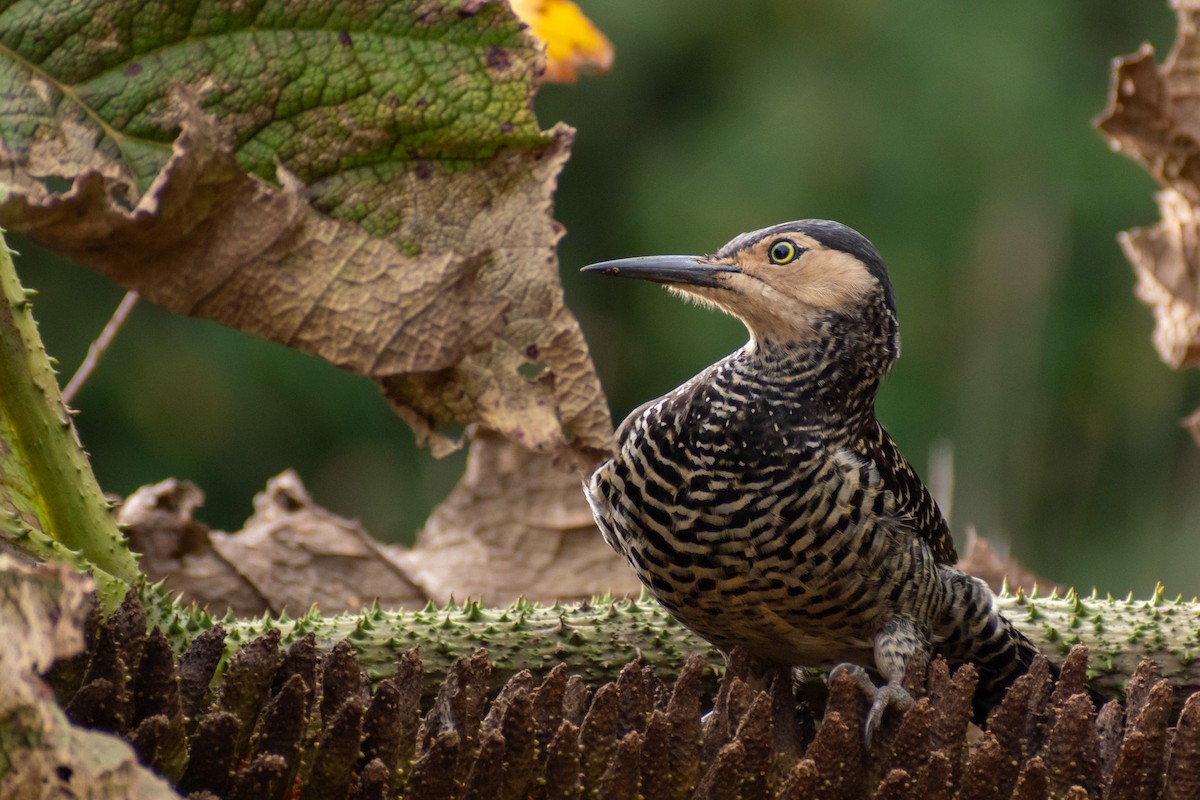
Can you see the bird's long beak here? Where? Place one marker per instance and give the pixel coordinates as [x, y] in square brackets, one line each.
[671, 270]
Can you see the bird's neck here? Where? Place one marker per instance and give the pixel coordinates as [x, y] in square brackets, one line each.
[830, 378]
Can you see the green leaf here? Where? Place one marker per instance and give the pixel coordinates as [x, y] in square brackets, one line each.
[326, 87]
[365, 182]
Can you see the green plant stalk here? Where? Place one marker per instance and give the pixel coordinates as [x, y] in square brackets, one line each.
[47, 474]
[44, 474]
[596, 639]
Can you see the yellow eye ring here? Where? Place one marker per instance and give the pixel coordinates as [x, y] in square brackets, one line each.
[783, 251]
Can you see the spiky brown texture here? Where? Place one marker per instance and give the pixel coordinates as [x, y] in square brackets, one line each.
[298, 722]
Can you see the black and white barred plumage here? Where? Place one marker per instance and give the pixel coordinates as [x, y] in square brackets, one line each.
[764, 505]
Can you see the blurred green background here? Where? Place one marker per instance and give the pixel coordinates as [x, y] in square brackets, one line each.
[955, 136]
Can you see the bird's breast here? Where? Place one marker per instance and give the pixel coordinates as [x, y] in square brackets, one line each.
[749, 533]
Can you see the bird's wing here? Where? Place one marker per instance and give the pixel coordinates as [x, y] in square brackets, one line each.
[624, 428]
[914, 504]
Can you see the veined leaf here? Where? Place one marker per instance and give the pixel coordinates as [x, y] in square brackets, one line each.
[365, 182]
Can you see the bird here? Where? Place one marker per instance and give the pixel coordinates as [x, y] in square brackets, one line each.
[763, 504]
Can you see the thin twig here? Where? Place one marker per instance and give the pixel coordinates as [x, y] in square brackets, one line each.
[98, 347]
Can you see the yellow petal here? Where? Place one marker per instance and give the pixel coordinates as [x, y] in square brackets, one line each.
[573, 44]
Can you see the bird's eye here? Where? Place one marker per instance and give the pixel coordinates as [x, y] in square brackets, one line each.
[784, 251]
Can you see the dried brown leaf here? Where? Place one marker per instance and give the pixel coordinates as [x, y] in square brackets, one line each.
[539, 412]
[296, 554]
[177, 550]
[514, 526]
[393, 224]
[982, 561]
[1151, 118]
[452, 297]
[291, 554]
[1165, 258]
[209, 240]
[42, 614]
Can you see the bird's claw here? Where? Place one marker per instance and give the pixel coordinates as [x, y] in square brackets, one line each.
[890, 694]
[856, 674]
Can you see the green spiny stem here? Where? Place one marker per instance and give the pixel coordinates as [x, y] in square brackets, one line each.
[47, 483]
[595, 639]
[48, 494]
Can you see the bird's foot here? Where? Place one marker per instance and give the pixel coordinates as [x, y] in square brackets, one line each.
[891, 694]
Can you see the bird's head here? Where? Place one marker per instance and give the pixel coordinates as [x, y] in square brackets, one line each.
[794, 284]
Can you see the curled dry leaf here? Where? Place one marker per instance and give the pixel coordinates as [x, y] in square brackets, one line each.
[291, 554]
[1152, 117]
[300, 554]
[370, 186]
[42, 613]
[177, 549]
[515, 526]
